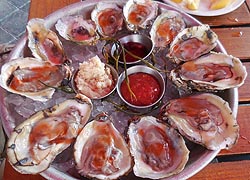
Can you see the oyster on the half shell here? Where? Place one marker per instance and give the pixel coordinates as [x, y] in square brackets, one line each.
[191, 43]
[77, 29]
[108, 18]
[35, 143]
[166, 26]
[204, 118]
[31, 78]
[213, 71]
[139, 13]
[44, 43]
[100, 150]
[159, 151]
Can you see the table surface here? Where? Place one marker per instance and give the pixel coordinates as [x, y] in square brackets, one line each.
[233, 30]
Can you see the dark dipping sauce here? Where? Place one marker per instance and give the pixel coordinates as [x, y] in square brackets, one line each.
[136, 49]
[145, 87]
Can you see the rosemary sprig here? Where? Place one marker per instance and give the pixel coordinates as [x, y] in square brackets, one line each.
[117, 55]
[146, 62]
[120, 51]
[64, 88]
[126, 73]
[107, 53]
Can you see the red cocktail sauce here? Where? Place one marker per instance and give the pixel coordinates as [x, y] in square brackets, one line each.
[145, 87]
[136, 49]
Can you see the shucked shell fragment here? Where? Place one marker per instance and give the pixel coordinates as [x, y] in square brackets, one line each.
[31, 78]
[158, 150]
[100, 150]
[139, 13]
[35, 143]
[191, 43]
[44, 43]
[166, 26]
[77, 29]
[213, 71]
[205, 119]
[108, 18]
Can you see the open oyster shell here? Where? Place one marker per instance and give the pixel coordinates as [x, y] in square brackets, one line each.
[34, 144]
[213, 71]
[139, 13]
[44, 43]
[158, 150]
[77, 29]
[166, 26]
[108, 18]
[31, 78]
[100, 150]
[191, 43]
[205, 119]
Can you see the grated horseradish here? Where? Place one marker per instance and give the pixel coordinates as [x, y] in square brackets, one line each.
[94, 79]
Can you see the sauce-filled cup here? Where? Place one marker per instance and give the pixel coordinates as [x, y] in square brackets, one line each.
[147, 87]
[138, 45]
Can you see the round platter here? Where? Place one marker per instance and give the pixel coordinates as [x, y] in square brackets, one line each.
[204, 10]
[12, 115]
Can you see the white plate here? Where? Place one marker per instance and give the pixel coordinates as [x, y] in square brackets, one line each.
[204, 10]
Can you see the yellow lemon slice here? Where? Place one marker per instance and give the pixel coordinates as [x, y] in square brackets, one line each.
[177, 1]
[219, 4]
[193, 4]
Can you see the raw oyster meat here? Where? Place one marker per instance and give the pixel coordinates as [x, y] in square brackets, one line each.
[100, 150]
[31, 78]
[77, 29]
[191, 43]
[205, 119]
[166, 26]
[159, 151]
[139, 13]
[44, 43]
[108, 18]
[213, 71]
[34, 144]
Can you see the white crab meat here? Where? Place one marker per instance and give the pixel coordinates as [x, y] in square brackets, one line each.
[214, 71]
[159, 151]
[108, 18]
[204, 118]
[35, 143]
[139, 13]
[31, 78]
[100, 150]
[191, 43]
[77, 29]
[44, 43]
[165, 28]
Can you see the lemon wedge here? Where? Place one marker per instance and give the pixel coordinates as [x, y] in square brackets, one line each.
[193, 4]
[177, 1]
[219, 4]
